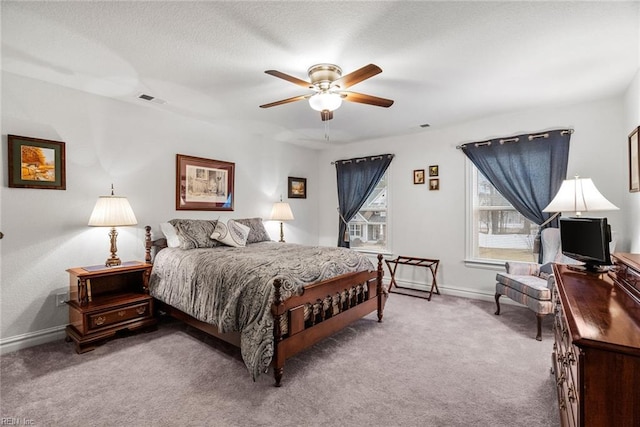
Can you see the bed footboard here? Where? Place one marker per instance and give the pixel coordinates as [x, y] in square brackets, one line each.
[322, 310]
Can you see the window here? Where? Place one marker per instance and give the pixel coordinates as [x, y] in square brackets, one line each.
[497, 231]
[355, 230]
[368, 229]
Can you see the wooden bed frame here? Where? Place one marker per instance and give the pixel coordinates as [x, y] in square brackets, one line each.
[301, 333]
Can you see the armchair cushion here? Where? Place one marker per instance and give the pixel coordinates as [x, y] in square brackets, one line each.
[530, 285]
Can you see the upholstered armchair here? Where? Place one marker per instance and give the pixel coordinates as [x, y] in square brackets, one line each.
[529, 283]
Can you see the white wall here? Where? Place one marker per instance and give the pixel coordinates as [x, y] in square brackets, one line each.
[134, 147]
[431, 224]
[632, 200]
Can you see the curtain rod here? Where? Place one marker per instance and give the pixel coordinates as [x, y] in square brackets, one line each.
[515, 139]
[363, 159]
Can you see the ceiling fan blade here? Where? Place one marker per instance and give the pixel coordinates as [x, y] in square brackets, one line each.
[287, 77]
[367, 99]
[326, 115]
[285, 101]
[357, 76]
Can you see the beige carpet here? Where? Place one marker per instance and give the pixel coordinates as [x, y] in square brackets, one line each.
[447, 362]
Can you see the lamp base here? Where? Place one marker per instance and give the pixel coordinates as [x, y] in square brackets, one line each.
[113, 262]
[281, 234]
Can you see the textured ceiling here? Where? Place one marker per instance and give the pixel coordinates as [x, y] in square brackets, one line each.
[443, 62]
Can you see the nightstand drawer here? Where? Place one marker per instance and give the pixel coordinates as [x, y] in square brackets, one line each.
[102, 319]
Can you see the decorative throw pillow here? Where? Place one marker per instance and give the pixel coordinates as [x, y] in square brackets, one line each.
[257, 232]
[546, 270]
[231, 233]
[194, 233]
[173, 241]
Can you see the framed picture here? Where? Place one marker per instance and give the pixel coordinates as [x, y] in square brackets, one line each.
[434, 184]
[204, 184]
[297, 188]
[433, 170]
[634, 161]
[36, 163]
[418, 176]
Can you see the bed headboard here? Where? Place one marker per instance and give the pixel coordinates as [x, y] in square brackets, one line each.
[149, 244]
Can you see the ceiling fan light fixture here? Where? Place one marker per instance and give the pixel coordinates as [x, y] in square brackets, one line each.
[325, 101]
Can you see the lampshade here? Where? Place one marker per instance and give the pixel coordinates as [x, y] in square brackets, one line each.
[579, 195]
[325, 101]
[281, 212]
[112, 211]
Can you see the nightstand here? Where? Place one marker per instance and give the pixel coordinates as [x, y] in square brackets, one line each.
[105, 300]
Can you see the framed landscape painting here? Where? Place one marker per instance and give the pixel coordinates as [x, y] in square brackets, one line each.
[634, 161]
[36, 163]
[204, 184]
[297, 188]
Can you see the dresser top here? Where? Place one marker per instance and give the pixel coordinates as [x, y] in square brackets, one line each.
[632, 260]
[599, 313]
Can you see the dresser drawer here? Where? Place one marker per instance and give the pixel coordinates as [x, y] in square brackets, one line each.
[111, 317]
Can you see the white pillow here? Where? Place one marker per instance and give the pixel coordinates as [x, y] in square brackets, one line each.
[231, 234]
[173, 241]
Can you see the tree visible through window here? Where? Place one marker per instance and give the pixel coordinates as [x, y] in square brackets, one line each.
[368, 229]
[499, 232]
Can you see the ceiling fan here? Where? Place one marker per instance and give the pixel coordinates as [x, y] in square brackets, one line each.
[329, 86]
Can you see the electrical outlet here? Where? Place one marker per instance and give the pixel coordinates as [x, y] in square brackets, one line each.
[61, 300]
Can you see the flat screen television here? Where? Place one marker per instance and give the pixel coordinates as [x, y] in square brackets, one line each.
[586, 240]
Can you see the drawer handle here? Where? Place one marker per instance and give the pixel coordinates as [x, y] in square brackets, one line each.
[121, 313]
[141, 310]
[100, 320]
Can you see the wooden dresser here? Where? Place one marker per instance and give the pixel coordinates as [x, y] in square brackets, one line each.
[596, 354]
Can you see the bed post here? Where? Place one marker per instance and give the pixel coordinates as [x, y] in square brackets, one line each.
[380, 294]
[278, 356]
[147, 244]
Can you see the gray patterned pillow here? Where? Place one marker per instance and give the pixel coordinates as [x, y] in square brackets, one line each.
[231, 233]
[257, 232]
[195, 233]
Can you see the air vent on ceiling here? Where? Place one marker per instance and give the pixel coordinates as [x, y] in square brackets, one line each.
[151, 99]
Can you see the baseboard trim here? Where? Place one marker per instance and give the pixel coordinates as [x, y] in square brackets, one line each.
[18, 342]
[456, 292]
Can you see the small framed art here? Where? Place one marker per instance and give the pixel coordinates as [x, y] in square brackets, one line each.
[204, 184]
[297, 188]
[634, 161]
[36, 163]
[433, 170]
[434, 184]
[418, 176]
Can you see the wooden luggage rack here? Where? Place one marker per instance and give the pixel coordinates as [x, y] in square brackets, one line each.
[431, 264]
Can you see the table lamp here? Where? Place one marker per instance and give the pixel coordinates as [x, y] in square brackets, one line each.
[112, 211]
[579, 195]
[281, 212]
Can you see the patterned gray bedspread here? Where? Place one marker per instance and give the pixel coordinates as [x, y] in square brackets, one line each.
[232, 288]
